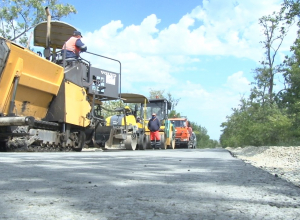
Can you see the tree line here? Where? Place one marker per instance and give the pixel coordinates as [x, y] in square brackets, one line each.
[268, 117]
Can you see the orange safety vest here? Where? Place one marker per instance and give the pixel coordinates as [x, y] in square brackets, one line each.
[71, 45]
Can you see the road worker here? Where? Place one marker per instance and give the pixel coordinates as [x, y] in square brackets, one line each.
[74, 46]
[153, 126]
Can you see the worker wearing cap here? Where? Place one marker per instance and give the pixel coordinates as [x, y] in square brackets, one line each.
[138, 119]
[153, 126]
[74, 46]
[127, 110]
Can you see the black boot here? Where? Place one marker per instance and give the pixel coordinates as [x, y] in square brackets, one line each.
[157, 145]
[152, 143]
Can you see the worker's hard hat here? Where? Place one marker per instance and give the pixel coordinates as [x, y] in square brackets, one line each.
[153, 113]
[77, 33]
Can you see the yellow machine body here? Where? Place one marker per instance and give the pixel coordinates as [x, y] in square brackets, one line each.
[38, 81]
[76, 105]
[130, 120]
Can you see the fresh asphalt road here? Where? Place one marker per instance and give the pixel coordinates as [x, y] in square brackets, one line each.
[153, 184]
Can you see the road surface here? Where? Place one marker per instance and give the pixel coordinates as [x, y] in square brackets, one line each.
[153, 184]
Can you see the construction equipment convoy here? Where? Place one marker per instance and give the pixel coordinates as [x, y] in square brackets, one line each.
[129, 133]
[55, 104]
[52, 104]
[184, 137]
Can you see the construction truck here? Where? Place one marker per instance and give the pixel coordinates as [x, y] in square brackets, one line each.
[167, 132]
[52, 103]
[126, 133]
[183, 137]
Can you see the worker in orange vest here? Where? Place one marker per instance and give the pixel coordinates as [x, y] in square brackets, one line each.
[74, 46]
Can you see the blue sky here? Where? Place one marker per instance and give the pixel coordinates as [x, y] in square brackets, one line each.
[202, 52]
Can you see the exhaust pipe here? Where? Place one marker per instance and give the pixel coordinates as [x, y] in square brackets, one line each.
[16, 121]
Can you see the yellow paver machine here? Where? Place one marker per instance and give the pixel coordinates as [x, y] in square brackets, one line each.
[51, 103]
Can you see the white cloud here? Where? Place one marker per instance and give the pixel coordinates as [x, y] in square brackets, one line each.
[238, 83]
[217, 28]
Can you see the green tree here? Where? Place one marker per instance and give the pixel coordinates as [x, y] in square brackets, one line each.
[110, 106]
[203, 139]
[256, 125]
[160, 95]
[17, 17]
[289, 97]
[156, 94]
[275, 29]
[263, 119]
[174, 114]
[174, 102]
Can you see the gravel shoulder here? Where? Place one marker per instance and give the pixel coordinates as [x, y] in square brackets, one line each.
[282, 162]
